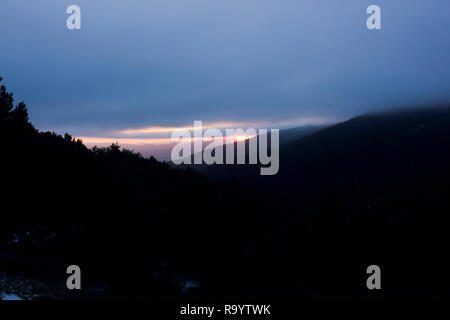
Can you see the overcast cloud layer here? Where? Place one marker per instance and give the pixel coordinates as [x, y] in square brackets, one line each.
[169, 62]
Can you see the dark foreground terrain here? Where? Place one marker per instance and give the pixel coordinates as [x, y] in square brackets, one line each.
[372, 190]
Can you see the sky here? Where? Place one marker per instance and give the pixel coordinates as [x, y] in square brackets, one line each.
[137, 69]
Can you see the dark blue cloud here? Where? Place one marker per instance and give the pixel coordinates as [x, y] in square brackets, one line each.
[168, 62]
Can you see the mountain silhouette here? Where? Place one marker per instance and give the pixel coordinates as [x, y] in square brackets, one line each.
[371, 190]
[387, 149]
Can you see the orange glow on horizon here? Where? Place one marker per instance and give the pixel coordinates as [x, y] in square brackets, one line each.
[241, 138]
[156, 141]
[159, 129]
[125, 136]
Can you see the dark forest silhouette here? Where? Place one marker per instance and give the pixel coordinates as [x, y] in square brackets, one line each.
[139, 227]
